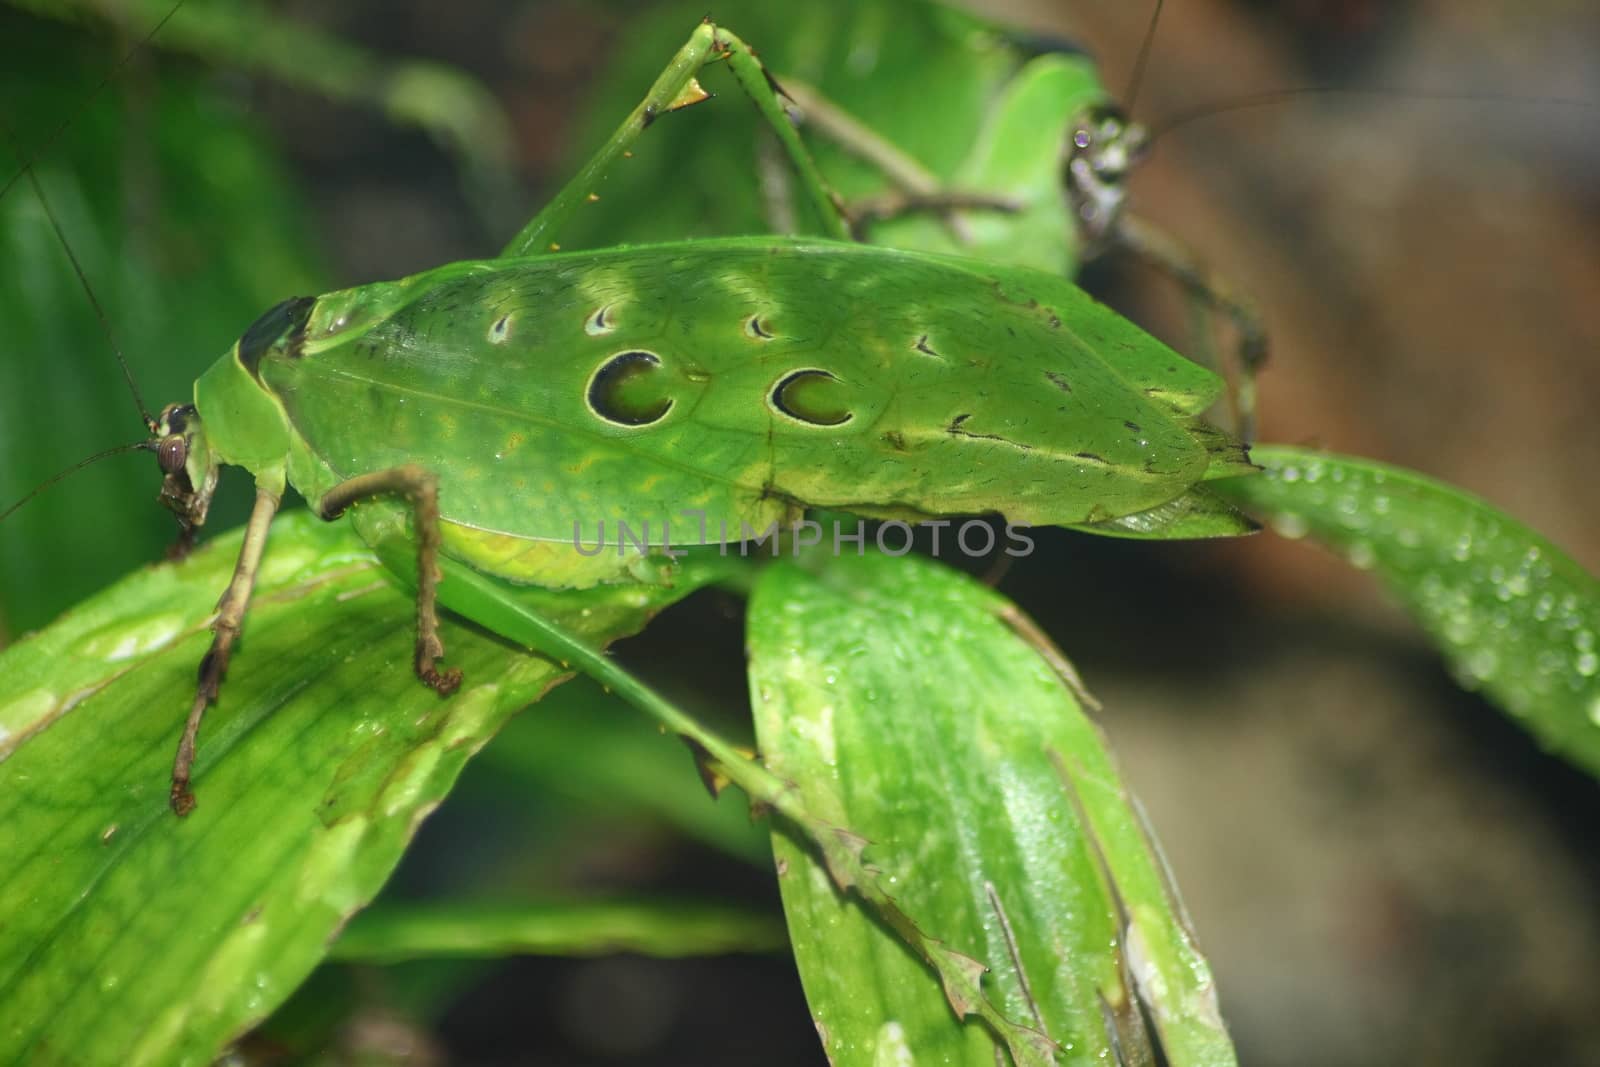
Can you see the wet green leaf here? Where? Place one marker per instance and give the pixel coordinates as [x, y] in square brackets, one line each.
[1515, 616]
[811, 814]
[924, 712]
[130, 935]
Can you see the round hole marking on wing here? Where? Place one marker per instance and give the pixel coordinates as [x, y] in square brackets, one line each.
[811, 396]
[619, 391]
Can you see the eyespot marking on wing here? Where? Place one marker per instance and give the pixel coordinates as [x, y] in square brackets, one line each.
[600, 321]
[618, 390]
[804, 396]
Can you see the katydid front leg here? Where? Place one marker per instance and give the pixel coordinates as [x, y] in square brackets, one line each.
[230, 617]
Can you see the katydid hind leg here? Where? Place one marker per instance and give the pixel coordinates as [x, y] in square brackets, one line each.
[230, 618]
[767, 96]
[676, 88]
[421, 488]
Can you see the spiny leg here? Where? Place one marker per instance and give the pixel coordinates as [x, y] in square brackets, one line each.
[916, 188]
[677, 88]
[903, 170]
[1012, 950]
[230, 617]
[765, 92]
[1172, 259]
[893, 205]
[422, 489]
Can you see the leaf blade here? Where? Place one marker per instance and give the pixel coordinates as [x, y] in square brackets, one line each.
[906, 702]
[1513, 614]
[129, 929]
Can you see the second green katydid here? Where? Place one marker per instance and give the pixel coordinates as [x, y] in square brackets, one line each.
[942, 133]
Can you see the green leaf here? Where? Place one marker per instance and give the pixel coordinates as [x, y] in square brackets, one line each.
[130, 935]
[1515, 616]
[809, 812]
[389, 933]
[926, 713]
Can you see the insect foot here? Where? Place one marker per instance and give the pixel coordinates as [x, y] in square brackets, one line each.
[182, 799]
[444, 683]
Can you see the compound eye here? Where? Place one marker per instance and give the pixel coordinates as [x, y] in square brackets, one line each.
[175, 418]
[173, 454]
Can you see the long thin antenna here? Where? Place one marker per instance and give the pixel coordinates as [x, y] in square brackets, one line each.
[1270, 97]
[110, 76]
[26, 168]
[82, 463]
[1137, 81]
[88, 290]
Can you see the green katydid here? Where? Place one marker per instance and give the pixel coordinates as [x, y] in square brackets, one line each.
[572, 365]
[514, 401]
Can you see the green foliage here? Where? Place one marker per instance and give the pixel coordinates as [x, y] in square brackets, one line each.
[130, 932]
[490, 929]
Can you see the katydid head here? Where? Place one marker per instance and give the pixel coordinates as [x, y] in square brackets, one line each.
[246, 427]
[1102, 151]
[189, 470]
[1104, 148]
